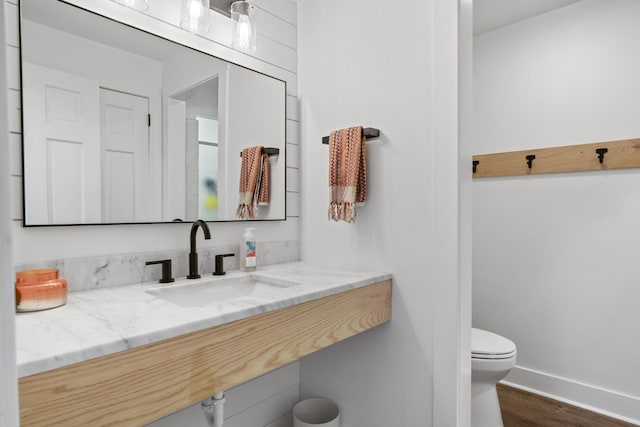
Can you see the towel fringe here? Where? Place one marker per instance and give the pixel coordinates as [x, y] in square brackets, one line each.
[342, 211]
[246, 211]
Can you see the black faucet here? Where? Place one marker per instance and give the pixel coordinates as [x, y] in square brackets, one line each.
[166, 270]
[193, 255]
[220, 264]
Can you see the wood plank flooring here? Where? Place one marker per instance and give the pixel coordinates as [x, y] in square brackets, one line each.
[524, 409]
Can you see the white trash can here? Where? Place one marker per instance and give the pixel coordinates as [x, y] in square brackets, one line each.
[316, 411]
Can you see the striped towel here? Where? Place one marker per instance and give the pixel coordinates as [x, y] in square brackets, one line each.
[347, 173]
[263, 192]
[254, 182]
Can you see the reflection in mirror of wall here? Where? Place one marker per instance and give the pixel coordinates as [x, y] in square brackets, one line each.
[121, 126]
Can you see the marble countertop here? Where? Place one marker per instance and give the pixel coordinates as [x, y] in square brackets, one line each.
[104, 321]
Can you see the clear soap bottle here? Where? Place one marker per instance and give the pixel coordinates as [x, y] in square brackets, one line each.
[248, 251]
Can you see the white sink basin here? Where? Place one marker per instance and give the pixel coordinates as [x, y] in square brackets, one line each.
[219, 290]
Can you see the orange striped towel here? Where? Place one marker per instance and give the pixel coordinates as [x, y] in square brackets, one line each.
[347, 173]
[263, 193]
[254, 182]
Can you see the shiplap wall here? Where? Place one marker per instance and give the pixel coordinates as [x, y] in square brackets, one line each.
[276, 55]
[8, 384]
[265, 401]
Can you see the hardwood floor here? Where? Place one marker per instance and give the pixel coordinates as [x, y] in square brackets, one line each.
[524, 409]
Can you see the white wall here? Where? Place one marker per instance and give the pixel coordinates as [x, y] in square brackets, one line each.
[63, 51]
[276, 55]
[263, 111]
[370, 63]
[9, 384]
[176, 79]
[67, 52]
[555, 258]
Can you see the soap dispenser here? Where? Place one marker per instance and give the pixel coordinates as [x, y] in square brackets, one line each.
[248, 251]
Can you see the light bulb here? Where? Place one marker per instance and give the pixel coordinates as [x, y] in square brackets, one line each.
[195, 15]
[195, 10]
[244, 32]
[244, 26]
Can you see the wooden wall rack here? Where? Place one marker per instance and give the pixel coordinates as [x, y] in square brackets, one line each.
[623, 154]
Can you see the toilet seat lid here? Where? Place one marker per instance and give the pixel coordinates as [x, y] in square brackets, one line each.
[487, 345]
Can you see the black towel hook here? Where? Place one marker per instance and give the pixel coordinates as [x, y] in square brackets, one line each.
[601, 152]
[530, 159]
[475, 164]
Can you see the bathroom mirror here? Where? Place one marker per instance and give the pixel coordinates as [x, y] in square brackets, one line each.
[122, 126]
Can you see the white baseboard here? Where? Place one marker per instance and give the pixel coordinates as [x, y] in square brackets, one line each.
[606, 402]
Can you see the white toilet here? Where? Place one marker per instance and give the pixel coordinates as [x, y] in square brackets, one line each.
[492, 357]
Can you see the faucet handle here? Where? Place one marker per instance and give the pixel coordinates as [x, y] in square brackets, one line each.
[166, 270]
[220, 264]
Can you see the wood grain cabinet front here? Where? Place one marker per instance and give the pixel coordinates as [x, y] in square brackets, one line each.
[137, 386]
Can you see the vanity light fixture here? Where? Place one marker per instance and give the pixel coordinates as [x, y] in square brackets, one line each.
[243, 26]
[195, 15]
[141, 5]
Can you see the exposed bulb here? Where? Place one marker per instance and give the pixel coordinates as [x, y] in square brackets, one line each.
[244, 32]
[195, 16]
[195, 10]
[244, 26]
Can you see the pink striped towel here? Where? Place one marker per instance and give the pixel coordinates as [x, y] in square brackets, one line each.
[347, 173]
[254, 182]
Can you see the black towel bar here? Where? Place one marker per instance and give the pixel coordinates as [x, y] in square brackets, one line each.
[268, 150]
[368, 133]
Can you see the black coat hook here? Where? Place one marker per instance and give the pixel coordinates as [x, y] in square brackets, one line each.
[601, 152]
[475, 164]
[530, 158]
